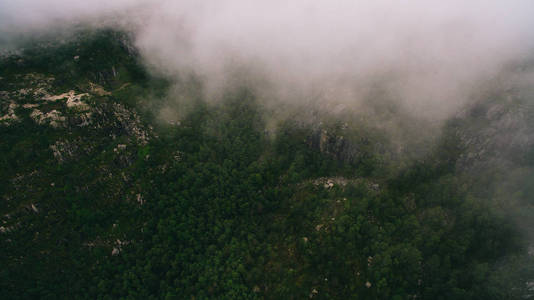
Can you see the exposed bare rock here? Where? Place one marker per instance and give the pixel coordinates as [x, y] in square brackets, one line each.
[36, 86]
[98, 90]
[65, 150]
[28, 105]
[73, 99]
[54, 118]
[177, 156]
[374, 186]
[24, 92]
[140, 199]
[330, 182]
[504, 129]
[131, 123]
[335, 145]
[10, 116]
[118, 248]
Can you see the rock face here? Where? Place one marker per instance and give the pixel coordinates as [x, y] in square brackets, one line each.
[66, 150]
[33, 93]
[73, 99]
[503, 131]
[333, 144]
[130, 123]
[342, 144]
[98, 90]
[10, 116]
[53, 118]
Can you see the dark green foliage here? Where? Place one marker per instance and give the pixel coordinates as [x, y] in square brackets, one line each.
[216, 208]
[104, 57]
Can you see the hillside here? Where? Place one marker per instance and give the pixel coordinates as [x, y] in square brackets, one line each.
[102, 197]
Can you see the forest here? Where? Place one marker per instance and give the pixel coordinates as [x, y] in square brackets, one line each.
[101, 199]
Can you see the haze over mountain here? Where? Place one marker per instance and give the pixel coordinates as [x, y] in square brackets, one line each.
[269, 149]
[429, 55]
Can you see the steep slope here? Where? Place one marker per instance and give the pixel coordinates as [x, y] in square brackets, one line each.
[102, 199]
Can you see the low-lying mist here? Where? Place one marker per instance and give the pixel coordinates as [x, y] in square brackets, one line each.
[426, 56]
[441, 91]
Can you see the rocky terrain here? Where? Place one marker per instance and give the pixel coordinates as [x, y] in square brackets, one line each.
[102, 198]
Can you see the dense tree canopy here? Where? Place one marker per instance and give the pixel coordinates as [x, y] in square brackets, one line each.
[218, 206]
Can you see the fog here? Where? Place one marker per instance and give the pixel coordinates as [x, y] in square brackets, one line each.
[427, 56]
[427, 60]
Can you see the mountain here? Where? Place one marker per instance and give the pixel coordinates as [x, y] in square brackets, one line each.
[103, 196]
